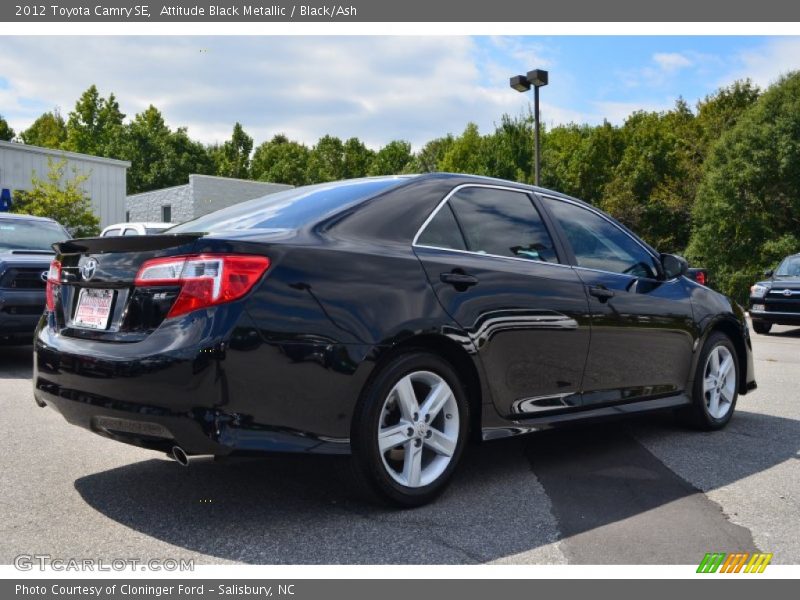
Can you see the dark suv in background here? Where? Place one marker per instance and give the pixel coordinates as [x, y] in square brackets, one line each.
[25, 255]
[776, 300]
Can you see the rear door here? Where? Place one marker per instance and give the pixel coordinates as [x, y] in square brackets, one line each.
[497, 271]
[642, 326]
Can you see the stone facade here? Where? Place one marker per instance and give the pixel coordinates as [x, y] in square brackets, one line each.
[203, 194]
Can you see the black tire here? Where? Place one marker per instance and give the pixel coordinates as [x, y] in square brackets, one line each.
[372, 478]
[697, 414]
[762, 327]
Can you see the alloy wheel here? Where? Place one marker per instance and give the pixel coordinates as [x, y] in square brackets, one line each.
[719, 381]
[419, 429]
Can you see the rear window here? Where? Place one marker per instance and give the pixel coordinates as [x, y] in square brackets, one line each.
[290, 209]
[18, 234]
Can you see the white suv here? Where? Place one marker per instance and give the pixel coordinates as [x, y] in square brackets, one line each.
[135, 229]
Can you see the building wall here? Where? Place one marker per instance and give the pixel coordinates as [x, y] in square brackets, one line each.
[202, 195]
[212, 193]
[106, 185]
[147, 205]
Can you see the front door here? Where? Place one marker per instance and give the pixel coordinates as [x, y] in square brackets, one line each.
[642, 326]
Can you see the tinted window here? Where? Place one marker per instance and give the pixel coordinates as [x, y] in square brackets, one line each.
[111, 233]
[154, 230]
[443, 231]
[130, 231]
[290, 209]
[502, 223]
[166, 213]
[599, 244]
[19, 234]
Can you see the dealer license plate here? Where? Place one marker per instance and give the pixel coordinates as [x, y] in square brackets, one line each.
[94, 308]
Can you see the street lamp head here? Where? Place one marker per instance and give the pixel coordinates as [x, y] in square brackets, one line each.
[520, 83]
[537, 78]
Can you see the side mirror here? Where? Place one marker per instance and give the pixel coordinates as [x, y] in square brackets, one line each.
[674, 266]
[769, 272]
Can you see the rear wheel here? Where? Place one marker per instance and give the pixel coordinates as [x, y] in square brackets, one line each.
[716, 384]
[761, 327]
[409, 430]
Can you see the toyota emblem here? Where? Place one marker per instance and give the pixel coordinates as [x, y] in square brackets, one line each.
[787, 292]
[88, 269]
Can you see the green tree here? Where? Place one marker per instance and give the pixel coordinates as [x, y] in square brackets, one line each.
[326, 161]
[429, 158]
[467, 154]
[232, 158]
[747, 210]
[6, 133]
[61, 198]
[720, 111]
[392, 159]
[653, 186]
[48, 131]
[280, 160]
[159, 156]
[357, 158]
[95, 126]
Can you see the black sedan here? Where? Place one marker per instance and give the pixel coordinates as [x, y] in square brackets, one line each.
[776, 300]
[388, 318]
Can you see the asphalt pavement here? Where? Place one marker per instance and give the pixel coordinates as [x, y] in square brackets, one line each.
[641, 491]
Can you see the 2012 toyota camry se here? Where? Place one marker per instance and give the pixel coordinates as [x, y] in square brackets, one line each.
[389, 318]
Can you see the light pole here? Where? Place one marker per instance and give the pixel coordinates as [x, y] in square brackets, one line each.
[522, 83]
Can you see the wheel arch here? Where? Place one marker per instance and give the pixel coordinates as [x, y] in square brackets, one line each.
[733, 330]
[454, 353]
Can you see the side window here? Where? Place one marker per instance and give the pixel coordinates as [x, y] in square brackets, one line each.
[599, 244]
[443, 231]
[129, 231]
[502, 223]
[111, 233]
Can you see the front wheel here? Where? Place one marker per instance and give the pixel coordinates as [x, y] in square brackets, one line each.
[716, 384]
[409, 430]
[762, 327]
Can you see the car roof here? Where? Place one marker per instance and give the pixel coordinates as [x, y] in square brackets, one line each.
[20, 217]
[142, 223]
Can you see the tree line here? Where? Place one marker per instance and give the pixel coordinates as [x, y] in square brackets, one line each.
[719, 182]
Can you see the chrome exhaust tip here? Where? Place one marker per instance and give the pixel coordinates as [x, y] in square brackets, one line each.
[179, 456]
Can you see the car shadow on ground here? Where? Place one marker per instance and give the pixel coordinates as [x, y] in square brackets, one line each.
[790, 333]
[16, 362]
[298, 509]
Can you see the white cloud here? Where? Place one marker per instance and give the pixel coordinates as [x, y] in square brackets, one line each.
[766, 63]
[671, 61]
[376, 88]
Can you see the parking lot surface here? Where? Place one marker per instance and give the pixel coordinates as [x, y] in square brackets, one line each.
[637, 491]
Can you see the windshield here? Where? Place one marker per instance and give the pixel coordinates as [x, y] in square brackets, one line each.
[290, 209]
[154, 230]
[790, 267]
[18, 234]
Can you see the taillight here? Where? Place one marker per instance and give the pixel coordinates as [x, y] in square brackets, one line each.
[700, 278]
[205, 279]
[53, 281]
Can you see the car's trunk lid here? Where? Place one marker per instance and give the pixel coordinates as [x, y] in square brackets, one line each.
[102, 272]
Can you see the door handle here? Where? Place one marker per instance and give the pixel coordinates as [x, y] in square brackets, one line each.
[601, 292]
[458, 280]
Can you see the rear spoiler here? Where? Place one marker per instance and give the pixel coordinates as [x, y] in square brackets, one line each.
[133, 243]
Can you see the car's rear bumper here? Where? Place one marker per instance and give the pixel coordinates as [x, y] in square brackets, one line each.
[206, 394]
[20, 311]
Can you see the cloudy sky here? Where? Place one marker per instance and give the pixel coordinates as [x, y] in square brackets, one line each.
[376, 88]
